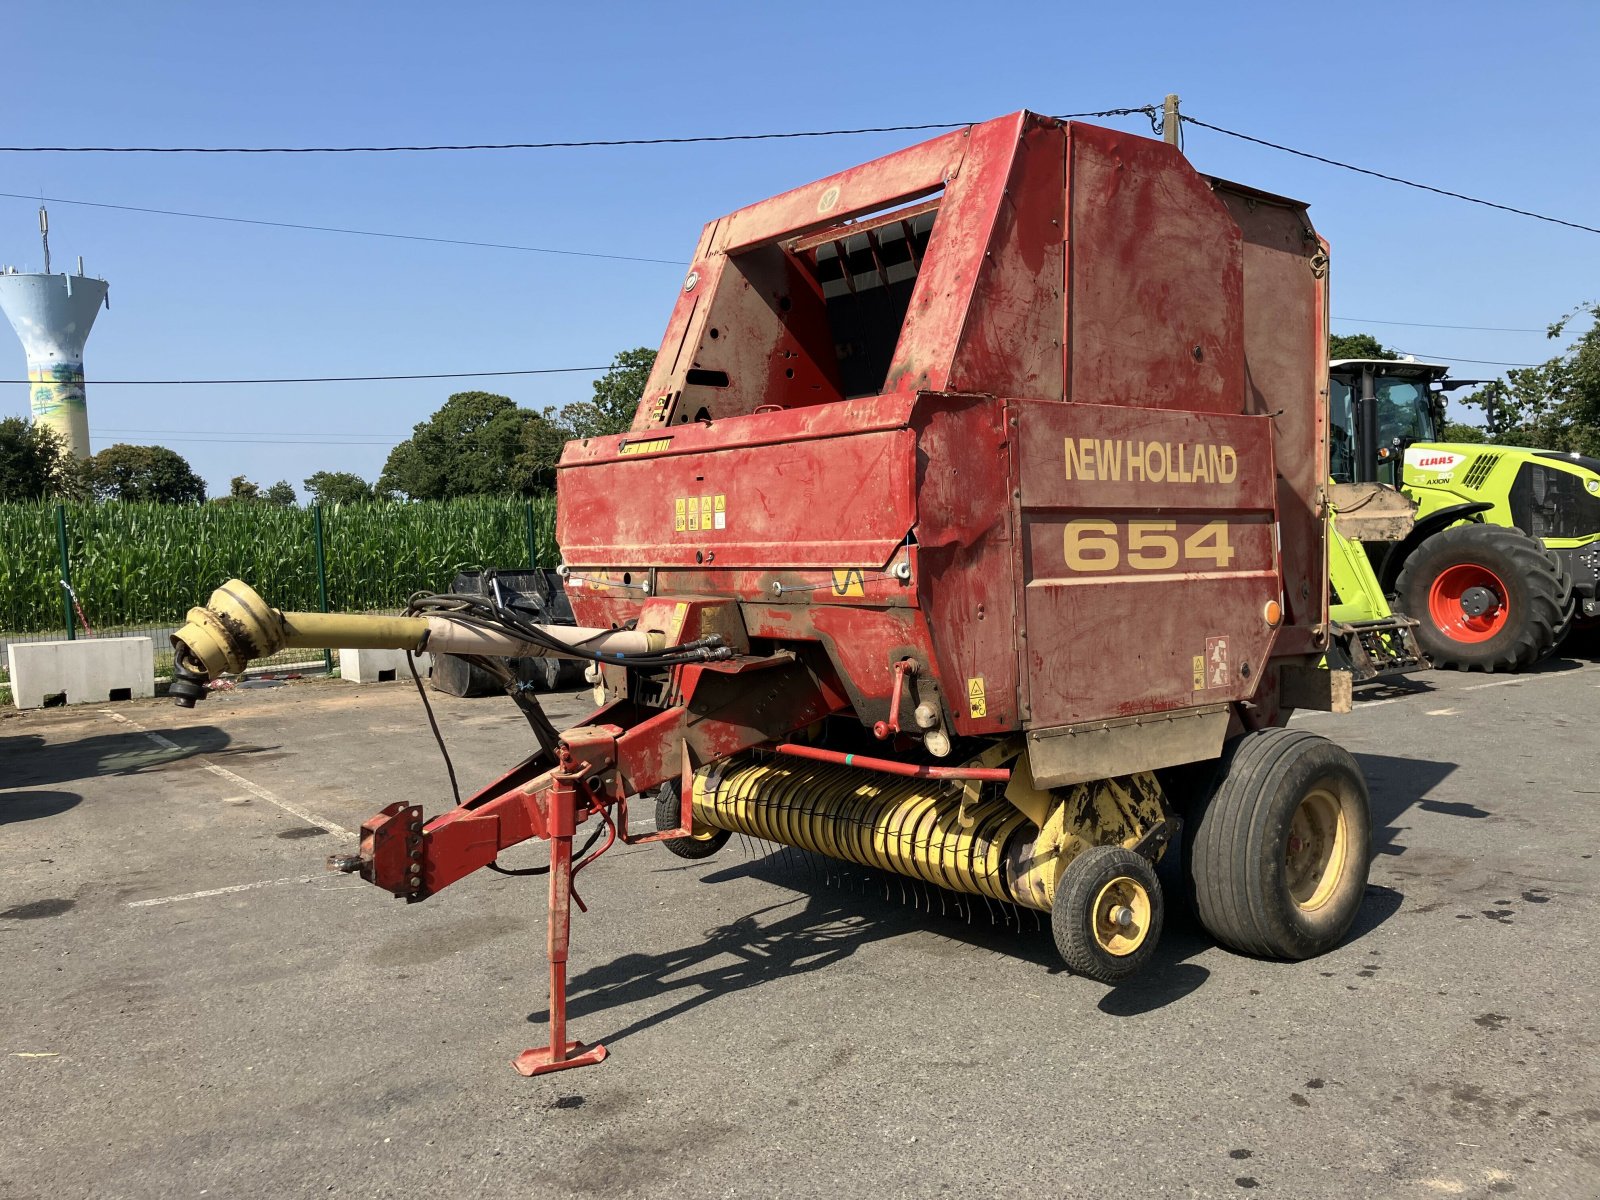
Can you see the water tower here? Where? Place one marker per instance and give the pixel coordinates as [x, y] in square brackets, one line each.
[53, 314]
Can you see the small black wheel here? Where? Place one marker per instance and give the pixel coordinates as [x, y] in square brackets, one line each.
[1276, 854]
[1486, 598]
[669, 812]
[1107, 913]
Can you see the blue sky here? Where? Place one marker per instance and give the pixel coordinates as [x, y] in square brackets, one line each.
[1489, 99]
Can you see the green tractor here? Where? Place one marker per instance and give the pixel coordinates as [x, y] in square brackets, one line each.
[1503, 553]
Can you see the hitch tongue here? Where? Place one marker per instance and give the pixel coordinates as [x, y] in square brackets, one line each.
[347, 864]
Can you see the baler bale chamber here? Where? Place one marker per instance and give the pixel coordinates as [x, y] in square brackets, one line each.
[972, 527]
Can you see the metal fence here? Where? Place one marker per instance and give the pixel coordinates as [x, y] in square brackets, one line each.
[108, 570]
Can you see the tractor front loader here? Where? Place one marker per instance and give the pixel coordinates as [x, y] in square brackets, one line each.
[972, 528]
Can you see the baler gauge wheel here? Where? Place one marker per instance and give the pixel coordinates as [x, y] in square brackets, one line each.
[1107, 913]
[700, 843]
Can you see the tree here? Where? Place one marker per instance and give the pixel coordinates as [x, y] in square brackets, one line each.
[33, 463]
[616, 396]
[542, 441]
[124, 472]
[1555, 405]
[1460, 431]
[240, 488]
[281, 494]
[470, 447]
[1357, 345]
[338, 487]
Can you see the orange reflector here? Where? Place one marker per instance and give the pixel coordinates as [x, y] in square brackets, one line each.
[1273, 613]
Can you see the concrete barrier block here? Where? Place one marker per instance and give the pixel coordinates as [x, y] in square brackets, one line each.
[378, 666]
[89, 671]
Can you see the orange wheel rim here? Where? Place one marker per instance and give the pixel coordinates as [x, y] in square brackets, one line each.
[1468, 603]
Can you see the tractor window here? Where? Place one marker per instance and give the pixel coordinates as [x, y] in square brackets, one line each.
[1341, 432]
[1404, 412]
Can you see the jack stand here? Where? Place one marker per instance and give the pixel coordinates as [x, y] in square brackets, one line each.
[560, 1053]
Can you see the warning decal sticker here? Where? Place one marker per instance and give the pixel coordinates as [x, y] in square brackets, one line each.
[1217, 674]
[976, 704]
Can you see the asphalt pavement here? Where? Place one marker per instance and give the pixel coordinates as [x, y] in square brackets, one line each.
[193, 1007]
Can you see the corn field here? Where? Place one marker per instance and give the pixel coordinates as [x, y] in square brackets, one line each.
[134, 564]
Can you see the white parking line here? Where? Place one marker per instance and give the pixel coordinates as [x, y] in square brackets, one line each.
[255, 790]
[238, 887]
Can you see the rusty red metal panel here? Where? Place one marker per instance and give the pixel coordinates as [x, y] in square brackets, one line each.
[1011, 341]
[1285, 325]
[1155, 284]
[1149, 541]
[965, 557]
[827, 486]
[893, 179]
[961, 235]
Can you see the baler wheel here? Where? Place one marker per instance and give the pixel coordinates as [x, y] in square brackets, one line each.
[1276, 855]
[1107, 913]
[697, 845]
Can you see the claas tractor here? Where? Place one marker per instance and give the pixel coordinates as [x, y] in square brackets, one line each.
[1505, 547]
[972, 528]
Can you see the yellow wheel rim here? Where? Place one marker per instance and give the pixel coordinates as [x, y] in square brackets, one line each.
[1121, 916]
[702, 833]
[1319, 842]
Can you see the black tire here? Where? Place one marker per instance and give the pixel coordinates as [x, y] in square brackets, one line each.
[1530, 594]
[669, 812]
[1099, 882]
[1237, 846]
[1569, 600]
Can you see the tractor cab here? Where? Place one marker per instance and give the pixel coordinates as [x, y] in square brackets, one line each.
[1377, 409]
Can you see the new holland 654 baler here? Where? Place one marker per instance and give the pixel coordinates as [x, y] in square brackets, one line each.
[972, 527]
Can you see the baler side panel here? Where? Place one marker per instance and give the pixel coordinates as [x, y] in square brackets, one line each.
[964, 554]
[830, 486]
[955, 257]
[1149, 559]
[1011, 342]
[1154, 280]
[666, 373]
[1285, 337]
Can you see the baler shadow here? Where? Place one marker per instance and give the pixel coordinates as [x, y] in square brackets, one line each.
[31, 805]
[839, 909]
[1397, 784]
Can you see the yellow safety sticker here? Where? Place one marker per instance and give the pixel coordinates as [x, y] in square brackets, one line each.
[694, 514]
[976, 704]
[705, 512]
[675, 632]
[653, 446]
[720, 511]
[680, 521]
[1199, 672]
[848, 582]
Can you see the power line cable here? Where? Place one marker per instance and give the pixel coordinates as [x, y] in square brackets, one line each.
[330, 378]
[375, 233]
[1450, 358]
[1410, 183]
[1425, 325]
[575, 145]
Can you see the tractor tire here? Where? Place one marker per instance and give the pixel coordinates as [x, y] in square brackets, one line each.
[1107, 913]
[669, 812]
[1569, 601]
[1486, 598]
[1276, 855]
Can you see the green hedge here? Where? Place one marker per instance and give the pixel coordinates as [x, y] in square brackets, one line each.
[138, 564]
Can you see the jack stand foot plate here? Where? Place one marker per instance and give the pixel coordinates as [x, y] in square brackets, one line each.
[542, 1061]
